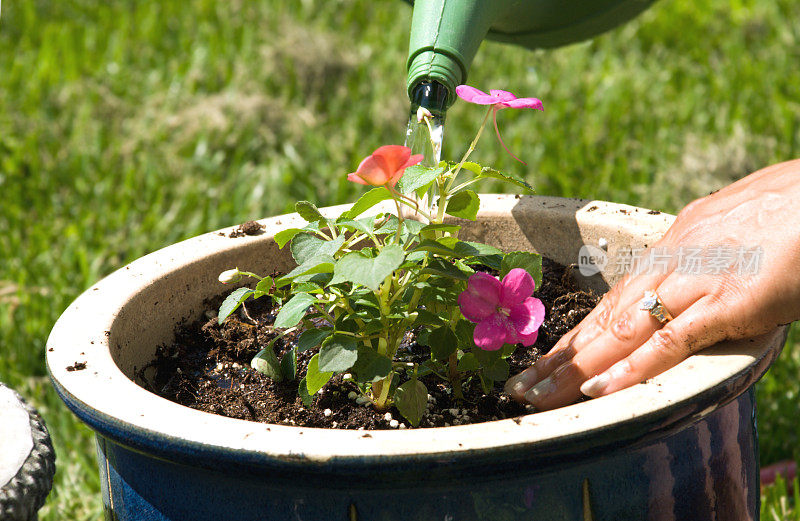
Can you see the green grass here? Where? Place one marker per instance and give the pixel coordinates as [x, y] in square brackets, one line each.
[126, 126]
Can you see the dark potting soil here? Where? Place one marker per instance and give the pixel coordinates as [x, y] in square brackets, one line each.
[208, 368]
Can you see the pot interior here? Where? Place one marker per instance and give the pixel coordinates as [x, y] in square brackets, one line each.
[115, 327]
[185, 281]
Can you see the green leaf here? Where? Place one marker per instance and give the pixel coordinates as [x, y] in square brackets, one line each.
[265, 362]
[369, 272]
[308, 211]
[465, 331]
[232, 302]
[485, 357]
[316, 379]
[312, 285]
[289, 364]
[302, 390]
[355, 226]
[507, 350]
[311, 338]
[444, 269]
[464, 204]
[435, 247]
[439, 296]
[312, 265]
[443, 343]
[367, 201]
[263, 287]
[439, 227]
[412, 227]
[338, 353]
[293, 310]
[468, 362]
[284, 236]
[371, 366]
[487, 172]
[415, 257]
[411, 398]
[486, 383]
[475, 168]
[417, 176]
[306, 246]
[427, 318]
[530, 262]
[466, 248]
[389, 227]
[490, 261]
[497, 371]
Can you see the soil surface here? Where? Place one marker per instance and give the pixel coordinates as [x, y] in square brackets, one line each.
[208, 368]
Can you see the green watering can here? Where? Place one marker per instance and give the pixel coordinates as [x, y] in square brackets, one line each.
[446, 34]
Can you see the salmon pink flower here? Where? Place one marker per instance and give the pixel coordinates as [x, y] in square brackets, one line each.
[385, 166]
[505, 312]
[498, 99]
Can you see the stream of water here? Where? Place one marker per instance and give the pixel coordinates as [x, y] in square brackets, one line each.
[422, 140]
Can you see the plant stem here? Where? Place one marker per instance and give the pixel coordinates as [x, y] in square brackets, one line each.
[399, 216]
[454, 376]
[380, 392]
[470, 149]
[322, 311]
[411, 203]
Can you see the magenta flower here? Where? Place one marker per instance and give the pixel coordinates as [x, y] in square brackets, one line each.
[505, 312]
[499, 99]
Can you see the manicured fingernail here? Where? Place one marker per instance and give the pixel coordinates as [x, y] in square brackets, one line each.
[540, 390]
[521, 382]
[595, 385]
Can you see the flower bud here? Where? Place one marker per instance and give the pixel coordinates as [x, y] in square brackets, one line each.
[230, 276]
[422, 114]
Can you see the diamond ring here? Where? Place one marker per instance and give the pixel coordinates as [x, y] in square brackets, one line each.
[653, 304]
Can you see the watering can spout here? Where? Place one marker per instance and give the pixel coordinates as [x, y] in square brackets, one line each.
[446, 34]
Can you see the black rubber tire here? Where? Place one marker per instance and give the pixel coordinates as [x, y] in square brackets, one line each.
[23, 496]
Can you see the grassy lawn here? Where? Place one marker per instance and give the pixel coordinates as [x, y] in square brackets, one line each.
[126, 126]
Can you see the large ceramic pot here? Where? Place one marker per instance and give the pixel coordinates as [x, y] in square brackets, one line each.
[681, 446]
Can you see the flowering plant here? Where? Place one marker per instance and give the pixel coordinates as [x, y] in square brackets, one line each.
[361, 283]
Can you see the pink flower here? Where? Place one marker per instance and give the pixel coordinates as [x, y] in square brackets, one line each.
[385, 166]
[504, 311]
[499, 99]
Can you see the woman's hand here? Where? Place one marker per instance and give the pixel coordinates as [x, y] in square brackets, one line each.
[620, 344]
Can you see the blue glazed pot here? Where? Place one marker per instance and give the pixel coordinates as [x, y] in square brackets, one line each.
[682, 446]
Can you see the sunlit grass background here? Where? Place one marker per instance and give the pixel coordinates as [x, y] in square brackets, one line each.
[126, 126]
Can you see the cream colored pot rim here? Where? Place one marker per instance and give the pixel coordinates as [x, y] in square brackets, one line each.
[80, 335]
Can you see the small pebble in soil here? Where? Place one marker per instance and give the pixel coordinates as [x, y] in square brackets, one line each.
[394, 423]
[327, 412]
[387, 417]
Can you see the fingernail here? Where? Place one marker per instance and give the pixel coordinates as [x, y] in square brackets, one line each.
[540, 390]
[595, 385]
[521, 382]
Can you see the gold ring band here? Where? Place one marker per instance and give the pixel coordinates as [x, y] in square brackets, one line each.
[652, 303]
